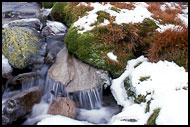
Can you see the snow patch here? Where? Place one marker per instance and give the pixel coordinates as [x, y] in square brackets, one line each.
[56, 27]
[6, 68]
[165, 27]
[112, 56]
[166, 85]
[61, 120]
[131, 16]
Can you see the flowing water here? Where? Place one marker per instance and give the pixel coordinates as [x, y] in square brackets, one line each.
[92, 105]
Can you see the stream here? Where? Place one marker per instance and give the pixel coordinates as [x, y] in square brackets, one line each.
[95, 106]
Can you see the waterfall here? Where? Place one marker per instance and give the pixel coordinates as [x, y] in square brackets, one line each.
[87, 99]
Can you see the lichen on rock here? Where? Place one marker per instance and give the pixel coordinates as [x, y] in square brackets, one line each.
[19, 44]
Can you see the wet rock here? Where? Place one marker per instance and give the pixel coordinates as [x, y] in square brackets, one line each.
[6, 68]
[20, 44]
[74, 74]
[43, 14]
[54, 45]
[31, 23]
[18, 106]
[54, 28]
[18, 10]
[63, 106]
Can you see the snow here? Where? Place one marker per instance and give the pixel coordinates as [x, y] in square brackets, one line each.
[183, 18]
[131, 16]
[6, 68]
[104, 115]
[61, 120]
[165, 27]
[163, 7]
[112, 56]
[56, 27]
[165, 84]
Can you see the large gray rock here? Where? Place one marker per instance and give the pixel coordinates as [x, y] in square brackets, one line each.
[31, 22]
[74, 74]
[63, 106]
[20, 44]
[18, 106]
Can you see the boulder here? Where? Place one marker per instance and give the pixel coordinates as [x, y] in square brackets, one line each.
[76, 75]
[63, 106]
[31, 23]
[18, 106]
[20, 44]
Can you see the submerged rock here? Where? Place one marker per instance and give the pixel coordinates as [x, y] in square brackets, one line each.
[74, 74]
[20, 44]
[54, 45]
[62, 106]
[18, 106]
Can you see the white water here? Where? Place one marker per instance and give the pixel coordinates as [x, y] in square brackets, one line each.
[87, 99]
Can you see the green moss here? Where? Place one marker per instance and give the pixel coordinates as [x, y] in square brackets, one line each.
[146, 26]
[115, 9]
[128, 87]
[137, 64]
[84, 46]
[67, 13]
[58, 11]
[152, 118]
[48, 4]
[18, 45]
[140, 99]
[144, 78]
[102, 15]
[148, 106]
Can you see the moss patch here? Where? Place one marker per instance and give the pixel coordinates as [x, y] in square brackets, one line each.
[144, 78]
[48, 4]
[152, 118]
[68, 13]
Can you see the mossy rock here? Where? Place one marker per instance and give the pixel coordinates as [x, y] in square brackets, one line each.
[19, 44]
[68, 12]
[48, 4]
[92, 46]
[88, 48]
[124, 40]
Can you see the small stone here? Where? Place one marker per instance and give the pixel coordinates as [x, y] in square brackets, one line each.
[63, 106]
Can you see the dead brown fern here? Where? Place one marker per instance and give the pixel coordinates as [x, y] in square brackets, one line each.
[123, 5]
[170, 45]
[166, 16]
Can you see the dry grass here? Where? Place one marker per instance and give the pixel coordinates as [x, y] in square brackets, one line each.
[123, 5]
[170, 45]
[167, 16]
